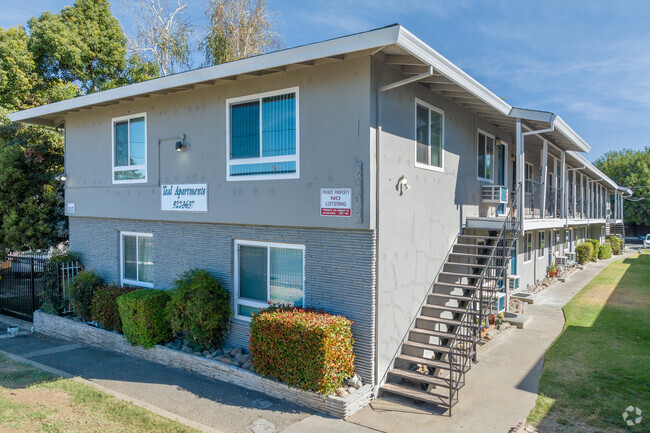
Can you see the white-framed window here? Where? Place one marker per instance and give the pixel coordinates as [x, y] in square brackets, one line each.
[550, 242]
[129, 137]
[485, 156]
[541, 243]
[528, 254]
[528, 177]
[267, 273]
[429, 136]
[263, 136]
[136, 259]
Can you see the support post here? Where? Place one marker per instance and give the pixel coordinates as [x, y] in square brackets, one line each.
[563, 212]
[574, 191]
[519, 143]
[544, 176]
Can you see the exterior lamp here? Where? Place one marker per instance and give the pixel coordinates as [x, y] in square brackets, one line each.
[62, 177]
[179, 146]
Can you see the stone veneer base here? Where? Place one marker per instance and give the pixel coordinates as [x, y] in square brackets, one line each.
[68, 329]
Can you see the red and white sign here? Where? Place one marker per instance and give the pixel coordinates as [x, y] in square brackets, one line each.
[336, 202]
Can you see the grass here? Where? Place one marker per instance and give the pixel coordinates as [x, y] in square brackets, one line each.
[32, 400]
[598, 366]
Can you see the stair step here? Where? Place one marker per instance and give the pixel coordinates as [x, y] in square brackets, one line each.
[450, 322]
[420, 377]
[476, 245]
[471, 265]
[415, 394]
[458, 298]
[478, 237]
[440, 334]
[496, 256]
[445, 308]
[432, 347]
[459, 285]
[443, 365]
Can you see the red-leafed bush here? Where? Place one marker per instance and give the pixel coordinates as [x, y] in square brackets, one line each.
[308, 349]
[104, 306]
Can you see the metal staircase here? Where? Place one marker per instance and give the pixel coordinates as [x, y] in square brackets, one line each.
[440, 345]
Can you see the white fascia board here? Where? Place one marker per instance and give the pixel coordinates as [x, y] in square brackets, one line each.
[429, 56]
[536, 115]
[593, 169]
[564, 129]
[333, 47]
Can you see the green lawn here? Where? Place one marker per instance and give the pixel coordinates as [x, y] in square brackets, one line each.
[32, 400]
[600, 364]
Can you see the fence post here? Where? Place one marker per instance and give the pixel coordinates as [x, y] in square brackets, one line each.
[31, 283]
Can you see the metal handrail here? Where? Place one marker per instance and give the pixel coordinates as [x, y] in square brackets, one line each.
[510, 225]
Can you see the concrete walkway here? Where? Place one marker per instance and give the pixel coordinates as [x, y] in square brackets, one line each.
[500, 391]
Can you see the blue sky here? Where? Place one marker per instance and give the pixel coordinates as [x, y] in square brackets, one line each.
[588, 61]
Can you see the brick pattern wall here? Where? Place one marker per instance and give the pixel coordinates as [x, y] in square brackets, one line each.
[339, 265]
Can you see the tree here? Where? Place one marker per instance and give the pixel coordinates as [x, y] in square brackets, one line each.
[31, 199]
[238, 29]
[163, 34]
[84, 45]
[631, 168]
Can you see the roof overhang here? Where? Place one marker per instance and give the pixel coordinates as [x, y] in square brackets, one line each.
[592, 170]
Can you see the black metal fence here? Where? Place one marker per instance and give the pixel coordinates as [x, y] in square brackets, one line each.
[29, 281]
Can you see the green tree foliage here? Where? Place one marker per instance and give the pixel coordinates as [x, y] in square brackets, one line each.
[238, 29]
[631, 168]
[78, 51]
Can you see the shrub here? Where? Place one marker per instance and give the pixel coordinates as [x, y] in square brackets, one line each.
[594, 252]
[80, 291]
[104, 306]
[615, 242]
[144, 316]
[200, 308]
[584, 252]
[308, 349]
[52, 299]
[605, 252]
[65, 256]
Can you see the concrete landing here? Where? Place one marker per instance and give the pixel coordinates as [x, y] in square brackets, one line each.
[521, 321]
[528, 298]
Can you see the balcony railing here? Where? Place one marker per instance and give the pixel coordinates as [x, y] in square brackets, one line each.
[553, 202]
[533, 199]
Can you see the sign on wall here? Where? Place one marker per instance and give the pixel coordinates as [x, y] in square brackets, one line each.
[336, 202]
[187, 197]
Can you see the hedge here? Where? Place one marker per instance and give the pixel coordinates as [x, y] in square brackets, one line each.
[308, 349]
[104, 306]
[200, 308]
[615, 242]
[144, 316]
[605, 252]
[594, 252]
[584, 252]
[80, 291]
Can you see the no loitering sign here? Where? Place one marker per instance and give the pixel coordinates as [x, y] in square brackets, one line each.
[336, 202]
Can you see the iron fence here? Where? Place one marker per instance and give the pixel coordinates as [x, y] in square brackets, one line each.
[28, 282]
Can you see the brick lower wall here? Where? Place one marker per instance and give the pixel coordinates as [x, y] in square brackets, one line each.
[339, 265]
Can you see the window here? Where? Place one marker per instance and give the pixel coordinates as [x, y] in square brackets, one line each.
[267, 273]
[529, 247]
[263, 137]
[130, 149]
[550, 241]
[541, 243]
[136, 253]
[485, 157]
[429, 132]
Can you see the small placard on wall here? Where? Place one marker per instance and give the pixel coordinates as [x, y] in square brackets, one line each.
[336, 202]
[70, 208]
[188, 197]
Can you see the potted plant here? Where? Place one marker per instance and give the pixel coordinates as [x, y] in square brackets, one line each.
[552, 270]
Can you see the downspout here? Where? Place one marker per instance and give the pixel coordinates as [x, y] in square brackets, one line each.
[378, 128]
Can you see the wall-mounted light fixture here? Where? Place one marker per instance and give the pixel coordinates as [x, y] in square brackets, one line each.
[62, 177]
[402, 185]
[179, 146]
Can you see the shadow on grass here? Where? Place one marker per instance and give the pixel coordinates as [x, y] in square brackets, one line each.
[598, 366]
[16, 375]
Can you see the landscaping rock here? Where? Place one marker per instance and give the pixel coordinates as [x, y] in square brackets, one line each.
[226, 360]
[206, 353]
[235, 364]
[235, 351]
[171, 345]
[187, 349]
[209, 356]
[241, 358]
[359, 384]
[339, 391]
[247, 365]
[218, 358]
[198, 354]
[351, 390]
[217, 352]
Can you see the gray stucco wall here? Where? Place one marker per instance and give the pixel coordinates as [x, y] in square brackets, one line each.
[339, 265]
[416, 229]
[334, 135]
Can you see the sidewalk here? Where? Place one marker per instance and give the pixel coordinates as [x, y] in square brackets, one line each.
[500, 391]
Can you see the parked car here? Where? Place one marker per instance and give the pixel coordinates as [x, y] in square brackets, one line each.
[646, 241]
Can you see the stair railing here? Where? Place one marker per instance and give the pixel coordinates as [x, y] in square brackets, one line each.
[468, 331]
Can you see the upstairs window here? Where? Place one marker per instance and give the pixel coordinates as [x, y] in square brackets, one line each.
[429, 125]
[130, 149]
[485, 157]
[263, 136]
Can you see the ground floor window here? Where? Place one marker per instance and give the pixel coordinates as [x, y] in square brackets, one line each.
[136, 259]
[541, 243]
[267, 273]
[529, 247]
